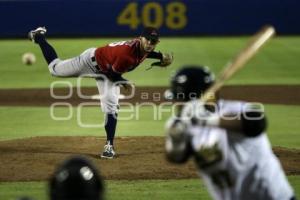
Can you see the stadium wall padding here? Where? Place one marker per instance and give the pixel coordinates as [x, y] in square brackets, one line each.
[76, 18]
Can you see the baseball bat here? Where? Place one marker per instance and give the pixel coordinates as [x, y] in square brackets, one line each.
[239, 61]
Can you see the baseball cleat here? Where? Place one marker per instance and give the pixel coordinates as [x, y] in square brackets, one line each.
[38, 31]
[108, 152]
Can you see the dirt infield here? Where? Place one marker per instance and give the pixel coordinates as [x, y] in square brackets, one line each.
[34, 159]
[272, 94]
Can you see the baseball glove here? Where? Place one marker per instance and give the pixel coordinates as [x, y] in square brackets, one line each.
[167, 59]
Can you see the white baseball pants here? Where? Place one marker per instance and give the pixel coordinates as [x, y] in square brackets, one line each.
[83, 66]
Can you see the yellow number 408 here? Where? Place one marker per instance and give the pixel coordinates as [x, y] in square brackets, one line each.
[175, 15]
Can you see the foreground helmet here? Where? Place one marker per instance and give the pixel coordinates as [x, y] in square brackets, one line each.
[76, 179]
[190, 82]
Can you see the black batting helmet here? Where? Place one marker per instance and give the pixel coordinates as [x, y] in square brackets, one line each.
[76, 179]
[190, 82]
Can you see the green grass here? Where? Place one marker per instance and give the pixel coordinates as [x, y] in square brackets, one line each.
[284, 127]
[277, 63]
[33, 121]
[18, 122]
[123, 190]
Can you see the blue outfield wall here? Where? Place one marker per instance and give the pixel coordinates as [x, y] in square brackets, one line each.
[67, 18]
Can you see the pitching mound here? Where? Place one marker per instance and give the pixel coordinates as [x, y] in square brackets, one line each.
[34, 159]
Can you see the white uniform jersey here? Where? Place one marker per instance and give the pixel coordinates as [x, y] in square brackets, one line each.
[236, 167]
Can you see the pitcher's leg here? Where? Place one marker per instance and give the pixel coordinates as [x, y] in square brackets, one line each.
[109, 97]
[38, 37]
[110, 127]
[74, 67]
[48, 51]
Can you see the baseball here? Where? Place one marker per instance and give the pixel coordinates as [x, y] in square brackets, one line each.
[28, 58]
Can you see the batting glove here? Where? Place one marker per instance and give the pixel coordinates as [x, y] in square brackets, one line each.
[177, 141]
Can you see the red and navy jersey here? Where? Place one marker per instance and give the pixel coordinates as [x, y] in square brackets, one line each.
[121, 56]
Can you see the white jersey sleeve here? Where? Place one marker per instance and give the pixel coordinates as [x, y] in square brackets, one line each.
[235, 169]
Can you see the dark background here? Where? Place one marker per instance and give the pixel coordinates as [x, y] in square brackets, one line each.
[76, 18]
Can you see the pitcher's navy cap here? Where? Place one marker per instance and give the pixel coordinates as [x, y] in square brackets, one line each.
[151, 33]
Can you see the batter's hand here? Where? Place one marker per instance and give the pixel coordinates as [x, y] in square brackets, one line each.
[177, 140]
[167, 59]
[176, 129]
